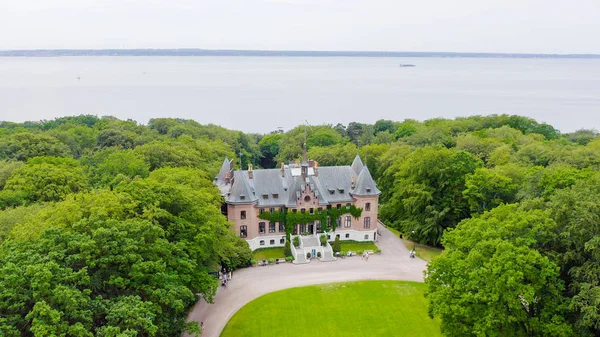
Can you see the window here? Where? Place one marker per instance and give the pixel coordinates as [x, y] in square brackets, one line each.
[265, 196]
[312, 211]
[347, 235]
[338, 222]
[348, 205]
[262, 242]
[262, 210]
[367, 222]
[271, 210]
[243, 215]
[339, 206]
[307, 199]
[318, 223]
[242, 197]
[328, 207]
[275, 195]
[294, 210]
[328, 221]
[368, 206]
[272, 242]
[341, 190]
[261, 228]
[337, 236]
[302, 228]
[367, 237]
[281, 227]
[348, 222]
[271, 227]
[282, 240]
[328, 237]
[368, 190]
[243, 231]
[320, 210]
[303, 210]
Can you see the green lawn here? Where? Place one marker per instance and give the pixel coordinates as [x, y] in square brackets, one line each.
[350, 309]
[267, 253]
[356, 246]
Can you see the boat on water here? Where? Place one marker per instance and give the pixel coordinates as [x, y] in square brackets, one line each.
[407, 65]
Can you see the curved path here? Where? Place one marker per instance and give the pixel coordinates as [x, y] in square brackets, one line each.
[247, 284]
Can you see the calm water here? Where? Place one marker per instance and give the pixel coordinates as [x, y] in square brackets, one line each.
[259, 94]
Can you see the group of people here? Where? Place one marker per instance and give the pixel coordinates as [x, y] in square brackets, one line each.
[225, 275]
[365, 256]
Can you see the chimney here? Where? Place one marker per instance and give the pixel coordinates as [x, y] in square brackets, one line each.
[282, 169]
[316, 168]
[227, 178]
[250, 171]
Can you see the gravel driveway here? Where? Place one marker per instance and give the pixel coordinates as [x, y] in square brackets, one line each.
[249, 283]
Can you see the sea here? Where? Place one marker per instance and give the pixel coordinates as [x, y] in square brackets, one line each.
[262, 94]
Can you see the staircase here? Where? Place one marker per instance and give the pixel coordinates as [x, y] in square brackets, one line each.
[300, 257]
[327, 256]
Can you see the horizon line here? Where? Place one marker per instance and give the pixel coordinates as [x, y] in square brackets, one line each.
[277, 52]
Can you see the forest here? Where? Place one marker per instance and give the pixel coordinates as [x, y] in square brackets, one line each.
[113, 228]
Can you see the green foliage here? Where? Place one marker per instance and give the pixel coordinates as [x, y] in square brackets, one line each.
[337, 245]
[294, 218]
[323, 240]
[428, 192]
[308, 255]
[492, 281]
[22, 146]
[46, 179]
[333, 155]
[271, 261]
[269, 147]
[287, 250]
[296, 241]
[319, 255]
[289, 258]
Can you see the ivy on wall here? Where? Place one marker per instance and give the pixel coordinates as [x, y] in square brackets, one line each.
[290, 219]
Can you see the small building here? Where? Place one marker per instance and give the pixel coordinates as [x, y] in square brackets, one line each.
[299, 187]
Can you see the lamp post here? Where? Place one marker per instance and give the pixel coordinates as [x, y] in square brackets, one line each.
[414, 243]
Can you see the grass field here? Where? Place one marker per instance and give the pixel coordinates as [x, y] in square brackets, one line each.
[350, 309]
[275, 252]
[356, 246]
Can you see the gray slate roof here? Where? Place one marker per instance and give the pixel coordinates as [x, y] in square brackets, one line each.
[357, 164]
[268, 188]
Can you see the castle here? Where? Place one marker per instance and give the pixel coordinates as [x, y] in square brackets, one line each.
[299, 187]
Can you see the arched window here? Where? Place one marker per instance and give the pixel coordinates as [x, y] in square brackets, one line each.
[243, 231]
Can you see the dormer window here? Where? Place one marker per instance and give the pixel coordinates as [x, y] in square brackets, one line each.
[368, 190]
[341, 190]
[242, 197]
[265, 196]
[275, 195]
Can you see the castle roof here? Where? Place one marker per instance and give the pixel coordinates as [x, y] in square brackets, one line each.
[282, 186]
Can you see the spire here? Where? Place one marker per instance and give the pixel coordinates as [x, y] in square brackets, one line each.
[357, 164]
[365, 185]
[304, 158]
[223, 171]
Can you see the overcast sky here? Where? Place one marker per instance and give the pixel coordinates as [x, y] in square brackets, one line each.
[520, 26]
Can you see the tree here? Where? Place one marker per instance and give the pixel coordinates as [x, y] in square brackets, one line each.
[22, 146]
[337, 244]
[269, 148]
[47, 179]
[333, 155]
[491, 280]
[428, 192]
[487, 189]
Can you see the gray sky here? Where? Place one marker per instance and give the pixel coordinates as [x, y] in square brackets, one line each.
[521, 26]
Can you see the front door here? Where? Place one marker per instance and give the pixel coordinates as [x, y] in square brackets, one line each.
[311, 228]
[314, 253]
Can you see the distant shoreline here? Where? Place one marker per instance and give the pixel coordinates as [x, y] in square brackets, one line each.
[274, 53]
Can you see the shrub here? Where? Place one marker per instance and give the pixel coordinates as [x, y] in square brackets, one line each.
[377, 250]
[359, 252]
[319, 255]
[337, 245]
[308, 255]
[253, 261]
[343, 253]
[271, 260]
[287, 250]
[296, 241]
[289, 258]
[323, 239]
[305, 233]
